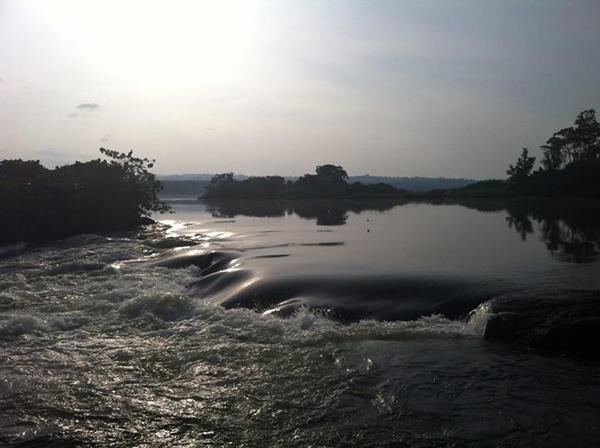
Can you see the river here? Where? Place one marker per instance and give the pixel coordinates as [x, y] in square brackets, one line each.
[297, 324]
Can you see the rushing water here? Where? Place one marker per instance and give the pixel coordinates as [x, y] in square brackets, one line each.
[303, 324]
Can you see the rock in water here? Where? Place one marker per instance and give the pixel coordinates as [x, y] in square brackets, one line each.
[566, 322]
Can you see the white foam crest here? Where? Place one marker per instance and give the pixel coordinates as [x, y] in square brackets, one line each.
[76, 267]
[168, 307]
[309, 327]
[478, 319]
[108, 294]
[427, 327]
[112, 257]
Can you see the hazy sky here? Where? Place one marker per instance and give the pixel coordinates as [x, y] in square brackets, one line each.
[390, 87]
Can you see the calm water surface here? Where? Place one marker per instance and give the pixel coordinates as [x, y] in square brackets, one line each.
[299, 324]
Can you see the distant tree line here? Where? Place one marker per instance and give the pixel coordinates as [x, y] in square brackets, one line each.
[181, 185]
[100, 195]
[329, 181]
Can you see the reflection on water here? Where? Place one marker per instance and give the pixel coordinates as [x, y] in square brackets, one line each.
[569, 228]
[326, 213]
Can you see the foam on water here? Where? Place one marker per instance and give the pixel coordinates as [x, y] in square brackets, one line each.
[167, 307]
[17, 324]
[478, 319]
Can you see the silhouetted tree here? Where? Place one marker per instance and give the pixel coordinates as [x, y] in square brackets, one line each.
[225, 186]
[586, 135]
[332, 175]
[140, 184]
[519, 173]
[219, 179]
[21, 169]
[554, 156]
[573, 144]
[219, 185]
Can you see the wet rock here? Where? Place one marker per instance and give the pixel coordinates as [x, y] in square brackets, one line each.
[566, 322]
[85, 239]
[170, 243]
[201, 259]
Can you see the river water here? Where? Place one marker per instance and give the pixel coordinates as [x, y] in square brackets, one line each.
[300, 324]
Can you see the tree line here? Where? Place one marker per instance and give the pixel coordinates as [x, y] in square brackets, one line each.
[328, 182]
[570, 163]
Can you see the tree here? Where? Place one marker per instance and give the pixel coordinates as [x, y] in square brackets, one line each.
[518, 174]
[138, 180]
[573, 144]
[219, 179]
[586, 135]
[21, 169]
[554, 156]
[332, 175]
[220, 185]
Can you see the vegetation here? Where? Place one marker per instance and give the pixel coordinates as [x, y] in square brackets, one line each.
[99, 195]
[518, 174]
[195, 184]
[224, 186]
[329, 182]
[575, 144]
[570, 167]
[570, 164]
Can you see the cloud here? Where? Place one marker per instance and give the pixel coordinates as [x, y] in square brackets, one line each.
[89, 106]
[85, 109]
[105, 138]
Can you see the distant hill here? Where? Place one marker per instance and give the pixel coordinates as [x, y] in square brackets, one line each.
[194, 184]
[193, 177]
